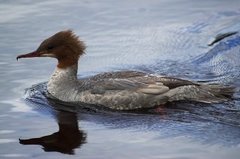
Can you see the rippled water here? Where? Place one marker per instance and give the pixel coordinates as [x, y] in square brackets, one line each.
[160, 37]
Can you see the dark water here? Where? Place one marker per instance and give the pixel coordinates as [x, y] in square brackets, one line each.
[160, 37]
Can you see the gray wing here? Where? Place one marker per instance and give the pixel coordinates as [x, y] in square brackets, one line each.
[126, 94]
[119, 74]
[136, 82]
[175, 82]
[144, 91]
[170, 82]
[131, 84]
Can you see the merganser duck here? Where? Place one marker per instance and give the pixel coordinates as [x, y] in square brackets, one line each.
[126, 90]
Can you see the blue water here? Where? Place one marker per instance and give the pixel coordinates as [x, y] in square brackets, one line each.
[160, 37]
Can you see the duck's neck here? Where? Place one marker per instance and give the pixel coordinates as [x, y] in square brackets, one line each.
[63, 80]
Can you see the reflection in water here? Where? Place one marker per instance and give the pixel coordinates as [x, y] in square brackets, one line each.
[65, 140]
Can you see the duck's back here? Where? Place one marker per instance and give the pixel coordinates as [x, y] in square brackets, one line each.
[132, 90]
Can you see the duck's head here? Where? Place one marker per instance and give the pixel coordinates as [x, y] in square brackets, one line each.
[65, 46]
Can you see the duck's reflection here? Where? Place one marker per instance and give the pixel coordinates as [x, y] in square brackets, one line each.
[65, 140]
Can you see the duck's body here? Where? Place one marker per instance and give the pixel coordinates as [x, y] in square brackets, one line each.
[128, 90]
[125, 90]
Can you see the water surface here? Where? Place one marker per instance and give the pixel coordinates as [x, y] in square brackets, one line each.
[159, 37]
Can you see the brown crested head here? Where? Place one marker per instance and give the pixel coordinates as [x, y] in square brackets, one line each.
[64, 46]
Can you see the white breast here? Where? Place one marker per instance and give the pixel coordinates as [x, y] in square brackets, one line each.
[63, 83]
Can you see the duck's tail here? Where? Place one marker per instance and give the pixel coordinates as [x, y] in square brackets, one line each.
[212, 93]
[220, 92]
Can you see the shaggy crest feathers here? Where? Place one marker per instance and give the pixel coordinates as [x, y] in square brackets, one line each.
[65, 46]
[65, 38]
[72, 40]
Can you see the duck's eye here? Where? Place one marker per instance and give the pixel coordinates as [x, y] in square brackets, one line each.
[50, 47]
